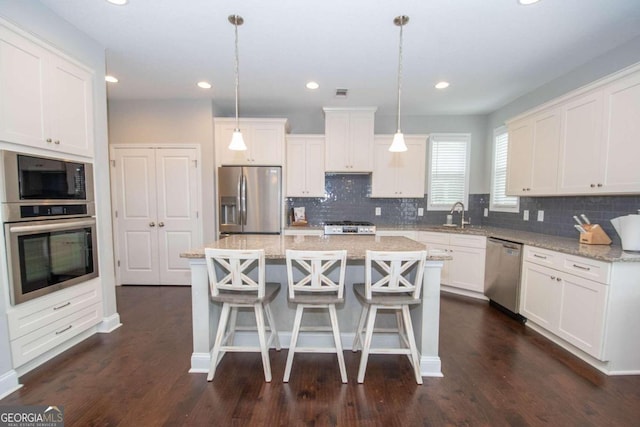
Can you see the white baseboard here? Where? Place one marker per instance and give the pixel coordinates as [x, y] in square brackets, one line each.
[430, 366]
[200, 363]
[464, 292]
[9, 383]
[109, 324]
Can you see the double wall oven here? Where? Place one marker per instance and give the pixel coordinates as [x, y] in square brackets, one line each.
[49, 225]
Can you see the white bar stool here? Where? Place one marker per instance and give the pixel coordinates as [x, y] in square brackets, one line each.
[397, 286]
[237, 279]
[316, 280]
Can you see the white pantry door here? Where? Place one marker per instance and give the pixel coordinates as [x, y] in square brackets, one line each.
[156, 213]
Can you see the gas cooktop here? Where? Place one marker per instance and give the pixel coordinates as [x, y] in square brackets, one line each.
[349, 227]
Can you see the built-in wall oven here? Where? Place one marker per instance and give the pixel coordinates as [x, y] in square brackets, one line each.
[49, 224]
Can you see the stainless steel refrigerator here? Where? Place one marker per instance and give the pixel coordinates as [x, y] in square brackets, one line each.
[249, 199]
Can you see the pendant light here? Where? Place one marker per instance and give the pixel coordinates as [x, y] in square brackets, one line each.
[237, 142]
[398, 144]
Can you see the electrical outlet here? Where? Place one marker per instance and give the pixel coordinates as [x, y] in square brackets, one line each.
[525, 215]
[540, 216]
[378, 211]
[486, 212]
[420, 211]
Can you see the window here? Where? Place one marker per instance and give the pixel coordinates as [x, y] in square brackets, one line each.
[448, 170]
[500, 202]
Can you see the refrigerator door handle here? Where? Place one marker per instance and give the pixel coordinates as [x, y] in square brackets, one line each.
[239, 199]
[243, 199]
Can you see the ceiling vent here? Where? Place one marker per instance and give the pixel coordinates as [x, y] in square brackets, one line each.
[341, 93]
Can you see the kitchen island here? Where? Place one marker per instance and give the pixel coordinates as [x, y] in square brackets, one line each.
[425, 317]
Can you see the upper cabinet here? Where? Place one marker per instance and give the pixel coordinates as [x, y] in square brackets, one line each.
[349, 139]
[533, 154]
[581, 144]
[399, 174]
[46, 100]
[265, 140]
[305, 166]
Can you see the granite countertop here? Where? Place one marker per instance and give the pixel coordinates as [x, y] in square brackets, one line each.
[608, 253]
[356, 246]
[565, 245]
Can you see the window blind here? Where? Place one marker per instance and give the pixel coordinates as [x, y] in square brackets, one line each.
[448, 180]
[498, 194]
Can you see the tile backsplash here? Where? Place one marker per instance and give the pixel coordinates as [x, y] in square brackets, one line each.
[347, 198]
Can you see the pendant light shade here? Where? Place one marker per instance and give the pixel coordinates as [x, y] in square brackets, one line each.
[237, 142]
[398, 144]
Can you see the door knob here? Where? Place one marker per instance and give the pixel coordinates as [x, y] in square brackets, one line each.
[152, 224]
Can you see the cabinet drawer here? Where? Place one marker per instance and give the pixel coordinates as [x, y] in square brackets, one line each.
[30, 316]
[468, 241]
[432, 237]
[36, 343]
[542, 257]
[592, 269]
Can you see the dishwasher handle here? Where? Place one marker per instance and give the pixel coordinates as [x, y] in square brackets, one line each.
[506, 244]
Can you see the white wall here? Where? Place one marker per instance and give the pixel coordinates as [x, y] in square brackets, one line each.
[170, 122]
[36, 19]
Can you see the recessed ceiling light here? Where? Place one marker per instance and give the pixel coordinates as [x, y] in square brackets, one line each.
[204, 85]
[118, 2]
[527, 2]
[442, 85]
[312, 85]
[111, 79]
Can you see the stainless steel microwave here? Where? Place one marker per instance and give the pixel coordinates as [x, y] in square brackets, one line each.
[44, 187]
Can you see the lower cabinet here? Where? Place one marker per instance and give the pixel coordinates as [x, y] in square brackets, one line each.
[565, 304]
[465, 271]
[40, 325]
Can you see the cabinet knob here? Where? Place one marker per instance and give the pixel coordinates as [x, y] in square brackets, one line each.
[599, 185]
[592, 185]
[553, 277]
[161, 224]
[152, 224]
[49, 140]
[56, 142]
[558, 279]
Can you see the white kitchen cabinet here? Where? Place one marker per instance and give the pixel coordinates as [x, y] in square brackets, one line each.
[464, 273]
[532, 166]
[305, 166]
[621, 130]
[264, 138]
[40, 325]
[349, 139]
[581, 156]
[596, 147]
[562, 301]
[399, 174]
[46, 100]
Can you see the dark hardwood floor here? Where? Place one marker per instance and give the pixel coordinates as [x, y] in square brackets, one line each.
[496, 372]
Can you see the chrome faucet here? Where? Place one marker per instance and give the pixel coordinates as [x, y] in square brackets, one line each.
[459, 206]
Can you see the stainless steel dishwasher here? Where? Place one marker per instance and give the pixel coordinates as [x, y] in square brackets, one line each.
[502, 276]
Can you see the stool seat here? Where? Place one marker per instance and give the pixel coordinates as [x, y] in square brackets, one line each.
[239, 297]
[383, 299]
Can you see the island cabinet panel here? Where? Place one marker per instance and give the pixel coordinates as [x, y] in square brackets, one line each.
[349, 139]
[264, 138]
[305, 166]
[399, 174]
[46, 99]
